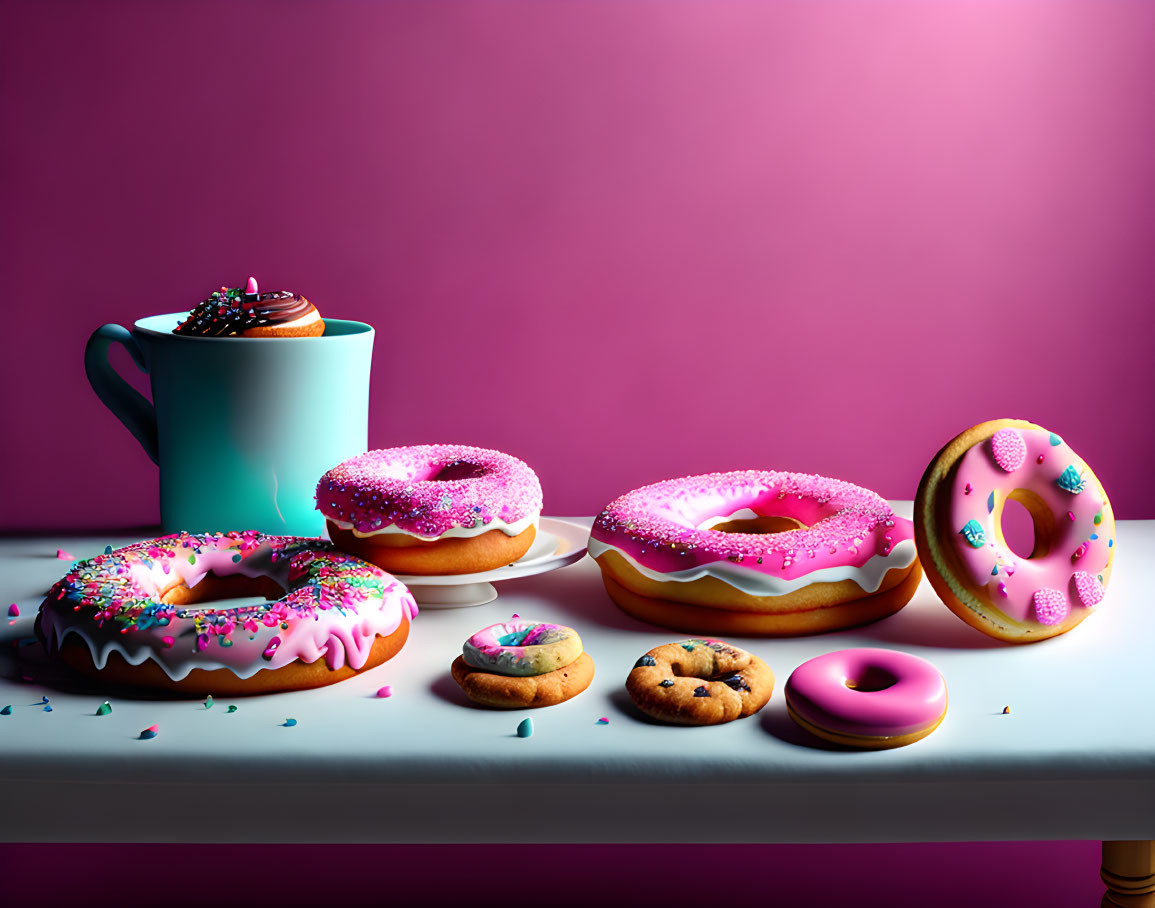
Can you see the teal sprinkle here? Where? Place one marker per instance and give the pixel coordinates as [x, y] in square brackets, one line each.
[1055, 440]
[995, 571]
[147, 733]
[48, 709]
[232, 708]
[6, 711]
[972, 531]
[688, 647]
[108, 550]
[1071, 481]
[237, 557]
[525, 728]
[104, 709]
[209, 702]
[991, 503]
[288, 723]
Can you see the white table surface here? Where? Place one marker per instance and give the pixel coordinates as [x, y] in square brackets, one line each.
[1074, 759]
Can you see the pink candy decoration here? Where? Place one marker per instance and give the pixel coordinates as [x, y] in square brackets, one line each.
[167, 641]
[65, 556]
[1050, 606]
[251, 286]
[386, 691]
[13, 611]
[1009, 448]
[1088, 588]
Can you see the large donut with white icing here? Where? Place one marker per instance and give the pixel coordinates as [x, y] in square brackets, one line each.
[432, 509]
[755, 552]
[958, 527]
[144, 615]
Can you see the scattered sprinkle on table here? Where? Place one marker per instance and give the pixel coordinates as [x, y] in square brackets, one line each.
[104, 709]
[525, 728]
[209, 702]
[43, 700]
[288, 723]
[48, 709]
[515, 616]
[150, 732]
[1006, 710]
[65, 556]
[13, 611]
[6, 711]
[603, 721]
[386, 691]
[108, 550]
[232, 708]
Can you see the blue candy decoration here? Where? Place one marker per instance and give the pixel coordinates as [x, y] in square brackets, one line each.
[972, 531]
[1055, 440]
[666, 682]
[689, 647]
[1071, 481]
[288, 723]
[108, 550]
[991, 503]
[6, 711]
[525, 728]
[701, 692]
[645, 662]
[995, 571]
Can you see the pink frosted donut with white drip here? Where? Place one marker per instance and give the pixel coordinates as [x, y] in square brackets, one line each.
[871, 698]
[755, 552]
[958, 515]
[146, 614]
[432, 509]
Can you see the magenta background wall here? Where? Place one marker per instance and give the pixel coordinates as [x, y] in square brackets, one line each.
[625, 241]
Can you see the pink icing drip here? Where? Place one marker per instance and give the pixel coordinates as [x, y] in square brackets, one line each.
[1009, 449]
[1051, 606]
[817, 690]
[429, 489]
[657, 525]
[1078, 539]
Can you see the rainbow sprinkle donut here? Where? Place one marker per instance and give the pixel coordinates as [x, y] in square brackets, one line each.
[143, 614]
[958, 522]
[755, 552]
[432, 509]
[870, 698]
[522, 648]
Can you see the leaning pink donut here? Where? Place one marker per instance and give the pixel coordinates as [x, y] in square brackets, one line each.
[958, 528]
[755, 552]
[432, 509]
[870, 698]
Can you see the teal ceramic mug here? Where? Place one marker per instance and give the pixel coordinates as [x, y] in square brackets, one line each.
[241, 428]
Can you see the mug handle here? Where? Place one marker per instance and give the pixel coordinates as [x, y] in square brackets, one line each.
[126, 403]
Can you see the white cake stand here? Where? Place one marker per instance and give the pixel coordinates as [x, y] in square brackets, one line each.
[557, 544]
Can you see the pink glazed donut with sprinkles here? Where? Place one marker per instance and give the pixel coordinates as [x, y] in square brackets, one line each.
[755, 552]
[958, 527]
[147, 615]
[870, 698]
[432, 509]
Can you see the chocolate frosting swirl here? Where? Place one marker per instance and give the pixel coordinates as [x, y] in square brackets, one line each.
[231, 311]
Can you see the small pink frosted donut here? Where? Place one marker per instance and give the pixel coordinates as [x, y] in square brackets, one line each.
[959, 514]
[479, 507]
[874, 698]
[784, 553]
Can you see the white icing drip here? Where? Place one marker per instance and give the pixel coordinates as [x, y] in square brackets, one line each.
[755, 583]
[510, 529]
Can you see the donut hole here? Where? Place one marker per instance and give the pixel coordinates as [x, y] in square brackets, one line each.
[213, 588]
[871, 680]
[765, 525]
[459, 469]
[1026, 524]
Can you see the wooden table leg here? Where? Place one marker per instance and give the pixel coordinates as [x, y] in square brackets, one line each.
[1129, 872]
